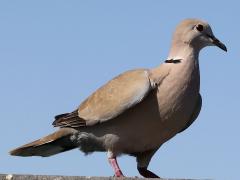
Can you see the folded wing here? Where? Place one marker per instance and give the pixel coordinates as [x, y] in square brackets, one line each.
[109, 101]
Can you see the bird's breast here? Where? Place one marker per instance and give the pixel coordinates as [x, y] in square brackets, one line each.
[177, 96]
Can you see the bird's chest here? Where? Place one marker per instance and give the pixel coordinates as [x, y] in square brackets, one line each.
[177, 97]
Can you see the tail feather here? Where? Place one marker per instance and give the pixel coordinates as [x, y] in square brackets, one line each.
[47, 146]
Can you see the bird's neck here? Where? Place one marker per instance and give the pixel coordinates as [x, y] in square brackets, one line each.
[182, 61]
[185, 65]
[183, 51]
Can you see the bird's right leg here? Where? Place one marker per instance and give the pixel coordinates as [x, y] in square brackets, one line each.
[113, 162]
[143, 160]
[146, 173]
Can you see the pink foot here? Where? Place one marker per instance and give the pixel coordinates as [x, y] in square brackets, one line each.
[119, 174]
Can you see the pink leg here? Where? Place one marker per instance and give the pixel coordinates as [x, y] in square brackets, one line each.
[116, 168]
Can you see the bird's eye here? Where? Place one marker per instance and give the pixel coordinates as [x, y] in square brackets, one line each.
[199, 27]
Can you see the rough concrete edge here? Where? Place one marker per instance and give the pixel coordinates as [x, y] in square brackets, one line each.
[52, 177]
[55, 177]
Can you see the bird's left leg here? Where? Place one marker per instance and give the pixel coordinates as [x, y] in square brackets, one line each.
[143, 160]
[113, 162]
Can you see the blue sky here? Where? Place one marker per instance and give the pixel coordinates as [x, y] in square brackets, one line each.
[53, 54]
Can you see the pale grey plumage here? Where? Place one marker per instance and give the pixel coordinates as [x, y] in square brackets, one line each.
[136, 112]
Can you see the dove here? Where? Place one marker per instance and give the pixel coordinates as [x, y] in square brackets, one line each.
[137, 111]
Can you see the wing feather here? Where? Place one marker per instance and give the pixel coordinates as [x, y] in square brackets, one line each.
[109, 101]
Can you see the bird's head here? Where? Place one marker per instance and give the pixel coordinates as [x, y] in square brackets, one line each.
[196, 33]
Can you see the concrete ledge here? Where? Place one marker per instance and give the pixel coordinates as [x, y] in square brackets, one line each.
[45, 177]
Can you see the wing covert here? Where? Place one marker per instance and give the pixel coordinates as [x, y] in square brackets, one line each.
[109, 101]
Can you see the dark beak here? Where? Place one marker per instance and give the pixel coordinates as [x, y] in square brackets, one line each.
[217, 43]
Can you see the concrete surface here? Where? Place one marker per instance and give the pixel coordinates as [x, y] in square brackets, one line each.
[45, 177]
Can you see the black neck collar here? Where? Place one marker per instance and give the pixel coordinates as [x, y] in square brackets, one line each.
[174, 61]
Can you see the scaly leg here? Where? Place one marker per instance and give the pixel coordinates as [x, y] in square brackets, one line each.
[115, 166]
[146, 173]
[143, 160]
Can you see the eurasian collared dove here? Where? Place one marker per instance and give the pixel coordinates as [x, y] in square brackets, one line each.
[137, 111]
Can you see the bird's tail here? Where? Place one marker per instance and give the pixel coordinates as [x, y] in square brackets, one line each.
[52, 144]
